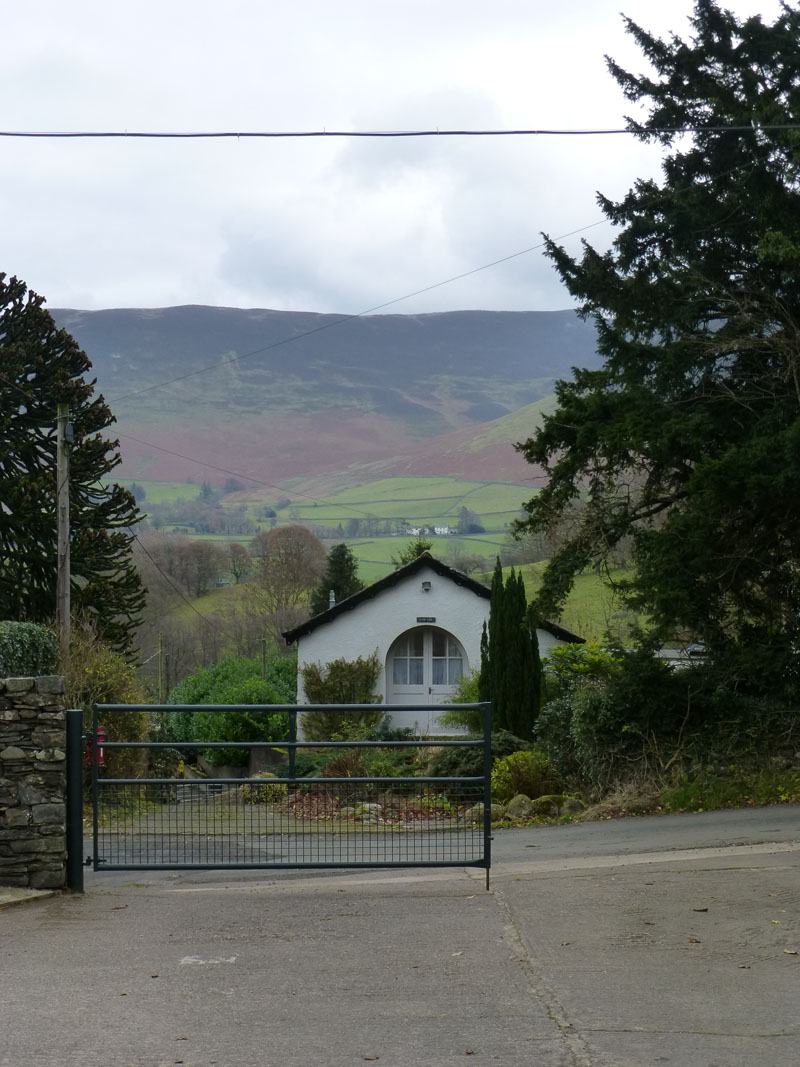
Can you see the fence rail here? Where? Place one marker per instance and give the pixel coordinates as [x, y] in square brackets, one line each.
[341, 817]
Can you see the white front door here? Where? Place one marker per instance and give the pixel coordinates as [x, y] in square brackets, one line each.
[423, 667]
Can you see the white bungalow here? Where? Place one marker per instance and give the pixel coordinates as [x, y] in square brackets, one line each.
[424, 621]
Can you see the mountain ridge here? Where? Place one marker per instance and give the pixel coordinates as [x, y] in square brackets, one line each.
[277, 395]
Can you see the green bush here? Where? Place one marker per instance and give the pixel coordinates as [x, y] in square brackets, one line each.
[95, 673]
[528, 772]
[553, 734]
[571, 665]
[390, 762]
[341, 682]
[266, 793]
[27, 649]
[610, 730]
[457, 762]
[650, 720]
[234, 680]
[466, 692]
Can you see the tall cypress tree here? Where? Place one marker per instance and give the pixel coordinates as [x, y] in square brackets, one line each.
[496, 686]
[511, 673]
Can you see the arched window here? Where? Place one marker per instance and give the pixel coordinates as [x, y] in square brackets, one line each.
[424, 660]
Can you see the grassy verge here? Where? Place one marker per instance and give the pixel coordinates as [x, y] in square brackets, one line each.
[733, 790]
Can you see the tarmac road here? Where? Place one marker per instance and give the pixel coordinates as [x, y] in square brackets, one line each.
[666, 940]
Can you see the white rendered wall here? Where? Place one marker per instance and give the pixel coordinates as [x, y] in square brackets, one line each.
[547, 641]
[376, 623]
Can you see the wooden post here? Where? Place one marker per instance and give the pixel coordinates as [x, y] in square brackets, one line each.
[63, 443]
[160, 668]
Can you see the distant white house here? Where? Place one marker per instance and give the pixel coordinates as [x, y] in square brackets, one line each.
[424, 620]
[441, 531]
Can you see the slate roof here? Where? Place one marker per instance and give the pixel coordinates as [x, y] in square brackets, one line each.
[409, 570]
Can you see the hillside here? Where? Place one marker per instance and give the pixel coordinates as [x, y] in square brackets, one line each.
[280, 395]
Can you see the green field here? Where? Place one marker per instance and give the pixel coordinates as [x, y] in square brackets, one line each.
[375, 554]
[592, 609]
[418, 500]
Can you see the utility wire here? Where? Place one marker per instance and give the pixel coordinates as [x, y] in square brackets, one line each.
[338, 322]
[284, 134]
[175, 589]
[663, 195]
[13, 385]
[247, 477]
[349, 318]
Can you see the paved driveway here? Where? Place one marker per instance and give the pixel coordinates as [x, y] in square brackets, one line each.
[641, 942]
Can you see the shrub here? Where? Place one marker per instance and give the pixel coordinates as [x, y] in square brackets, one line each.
[649, 720]
[348, 765]
[234, 680]
[571, 665]
[389, 762]
[268, 793]
[457, 762]
[528, 772]
[466, 692]
[27, 649]
[341, 682]
[553, 734]
[605, 731]
[95, 673]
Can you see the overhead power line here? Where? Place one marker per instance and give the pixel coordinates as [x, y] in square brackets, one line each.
[236, 135]
[349, 318]
[338, 322]
[174, 588]
[247, 477]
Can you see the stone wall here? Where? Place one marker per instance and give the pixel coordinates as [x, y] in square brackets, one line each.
[33, 782]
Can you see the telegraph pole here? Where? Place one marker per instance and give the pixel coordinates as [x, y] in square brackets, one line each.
[161, 693]
[63, 444]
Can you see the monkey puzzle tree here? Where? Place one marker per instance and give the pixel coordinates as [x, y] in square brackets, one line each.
[41, 366]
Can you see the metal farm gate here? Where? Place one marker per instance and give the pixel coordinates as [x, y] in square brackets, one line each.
[339, 816]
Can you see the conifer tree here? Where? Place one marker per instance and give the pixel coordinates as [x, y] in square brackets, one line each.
[340, 575]
[687, 440]
[41, 366]
[483, 677]
[511, 673]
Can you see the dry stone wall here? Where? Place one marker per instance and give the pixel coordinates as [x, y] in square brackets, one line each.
[33, 782]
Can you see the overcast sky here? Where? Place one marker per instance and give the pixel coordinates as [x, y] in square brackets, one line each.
[316, 225]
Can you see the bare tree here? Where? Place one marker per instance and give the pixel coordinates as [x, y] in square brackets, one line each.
[239, 562]
[292, 561]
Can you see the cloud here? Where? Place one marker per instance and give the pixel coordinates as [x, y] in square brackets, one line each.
[321, 225]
